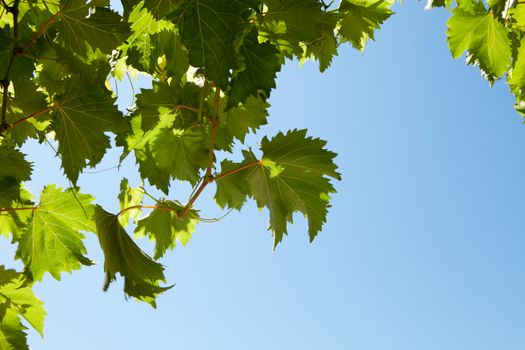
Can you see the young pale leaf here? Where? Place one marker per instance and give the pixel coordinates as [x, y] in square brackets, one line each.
[211, 30]
[292, 177]
[166, 228]
[484, 37]
[141, 274]
[261, 63]
[17, 295]
[84, 114]
[52, 241]
[164, 55]
[361, 19]
[129, 197]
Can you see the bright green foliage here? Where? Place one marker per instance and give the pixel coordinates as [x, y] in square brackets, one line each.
[484, 37]
[213, 65]
[52, 241]
[129, 197]
[361, 19]
[17, 302]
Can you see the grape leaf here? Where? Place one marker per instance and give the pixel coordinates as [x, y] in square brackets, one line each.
[182, 153]
[165, 227]
[261, 62]
[211, 29]
[52, 241]
[160, 8]
[14, 164]
[238, 121]
[16, 293]
[233, 189]
[129, 197]
[484, 37]
[361, 19]
[163, 54]
[84, 30]
[12, 335]
[141, 274]
[291, 177]
[83, 115]
[292, 24]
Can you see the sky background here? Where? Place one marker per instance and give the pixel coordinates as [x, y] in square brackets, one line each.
[424, 245]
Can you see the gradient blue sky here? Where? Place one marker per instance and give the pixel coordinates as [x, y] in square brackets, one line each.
[424, 245]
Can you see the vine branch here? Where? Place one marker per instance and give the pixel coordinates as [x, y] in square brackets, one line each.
[144, 207]
[40, 31]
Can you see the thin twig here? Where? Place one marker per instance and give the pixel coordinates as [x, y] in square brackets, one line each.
[144, 207]
[41, 31]
[231, 172]
[32, 115]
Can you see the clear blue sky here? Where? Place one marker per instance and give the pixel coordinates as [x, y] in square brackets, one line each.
[424, 246]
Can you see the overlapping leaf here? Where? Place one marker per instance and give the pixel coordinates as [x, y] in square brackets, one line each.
[297, 27]
[166, 227]
[141, 274]
[261, 62]
[52, 242]
[85, 29]
[83, 115]
[212, 31]
[17, 302]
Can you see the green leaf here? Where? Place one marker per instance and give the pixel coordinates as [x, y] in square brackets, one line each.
[163, 55]
[27, 101]
[292, 177]
[292, 25]
[14, 164]
[84, 29]
[237, 122]
[232, 190]
[361, 19]
[83, 115]
[129, 197]
[182, 153]
[484, 37]
[261, 64]
[160, 8]
[165, 227]
[12, 331]
[16, 293]
[141, 274]
[52, 241]
[212, 30]
[159, 108]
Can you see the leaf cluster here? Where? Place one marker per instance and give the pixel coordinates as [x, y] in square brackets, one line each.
[213, 66]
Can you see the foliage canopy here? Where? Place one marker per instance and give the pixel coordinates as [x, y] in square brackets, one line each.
[213, 64]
